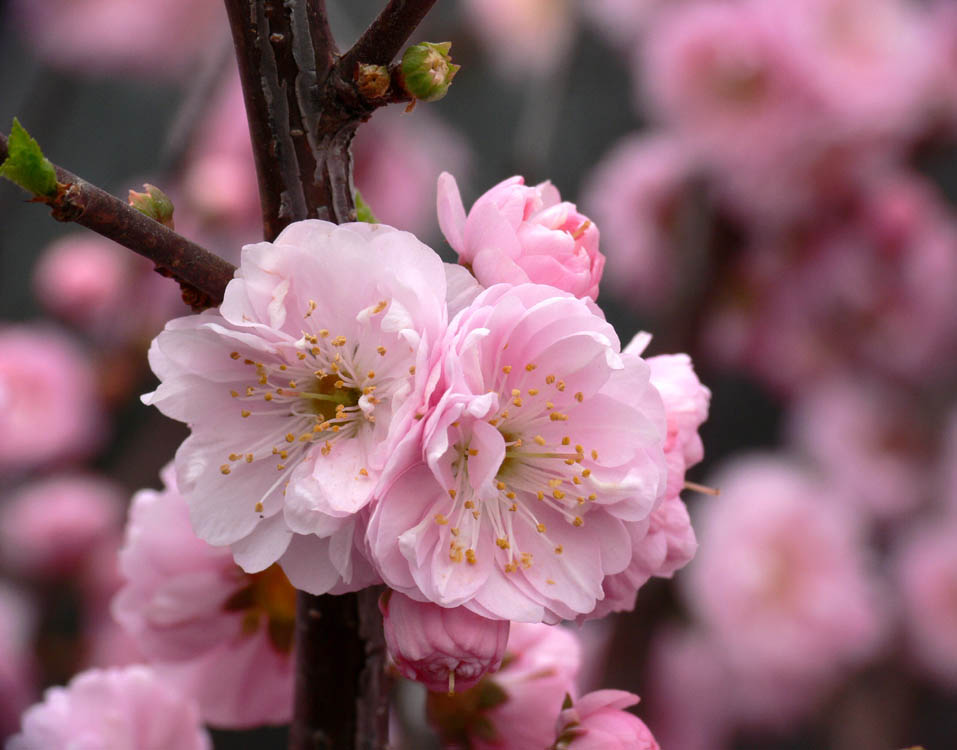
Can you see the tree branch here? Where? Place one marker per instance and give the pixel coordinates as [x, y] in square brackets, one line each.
[202, 274]
[385, 37]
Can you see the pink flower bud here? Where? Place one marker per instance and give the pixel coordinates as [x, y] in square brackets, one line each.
[515, 234]
[443, 648]
[598, 721]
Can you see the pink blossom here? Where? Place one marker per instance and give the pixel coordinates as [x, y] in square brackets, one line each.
[635, 194]
[441, 648]
[397, 162]
[524, 38]
[515, 708]
[114, 709]
[925, 564]
[50, 527]
[222, 635]
[781, 581]
[219, 177]
[723, 75]
[597, 721]
[665, 542]
[868, 60]
[661, 546]
[879, 283]
[117, 36]
[870, 441]
[296, 390]
[516, 234]
[686, 408]
[81, 278]
[541, 444]
[48, 400]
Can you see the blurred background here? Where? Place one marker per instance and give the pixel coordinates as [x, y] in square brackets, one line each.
[774, 182]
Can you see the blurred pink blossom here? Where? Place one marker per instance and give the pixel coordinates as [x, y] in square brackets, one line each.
[190, 608]
[598, 721]
[81, 278]
[114, 709]
[439, 647]
[219, 178]
[516, 234]
[635, 193]
[781, 582]
[516, 708]
[52, 526]
[48, 398]
[875, 290]
[870, 61]
[524, 38]
[119, 37]
[723, 76]
[868, 439]
[926, 570]
[544, 442]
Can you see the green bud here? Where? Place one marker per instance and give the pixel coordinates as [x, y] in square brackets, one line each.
[26, 165]
[154, 203]
[363, 212]
[427, 70]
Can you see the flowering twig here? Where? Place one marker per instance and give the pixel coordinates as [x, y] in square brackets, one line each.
[304, 104]
[202, 274]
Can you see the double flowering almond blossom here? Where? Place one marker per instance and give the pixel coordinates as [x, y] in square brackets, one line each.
[542, 443]
[295, 390]
[115, 709]
[222, 636]
[516, 233]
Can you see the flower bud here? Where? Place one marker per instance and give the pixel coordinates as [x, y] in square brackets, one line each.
[443, 648]
[154, 203]
[599, 720]
[427, 70]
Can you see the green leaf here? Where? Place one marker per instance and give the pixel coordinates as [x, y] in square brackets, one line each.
[363, 212]
[26, 165]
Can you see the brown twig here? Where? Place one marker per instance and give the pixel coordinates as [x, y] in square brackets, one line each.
[202, 274]
[386, 35]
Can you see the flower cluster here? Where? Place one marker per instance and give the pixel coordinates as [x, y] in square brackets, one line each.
[362, 412]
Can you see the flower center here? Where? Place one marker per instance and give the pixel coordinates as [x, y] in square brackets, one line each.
[544, 472]
[267, 599]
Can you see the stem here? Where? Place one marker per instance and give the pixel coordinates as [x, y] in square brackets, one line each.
[202, 274]
[338, 638]
[381, 42]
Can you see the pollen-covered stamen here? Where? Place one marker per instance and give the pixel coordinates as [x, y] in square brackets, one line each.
[326, 387]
